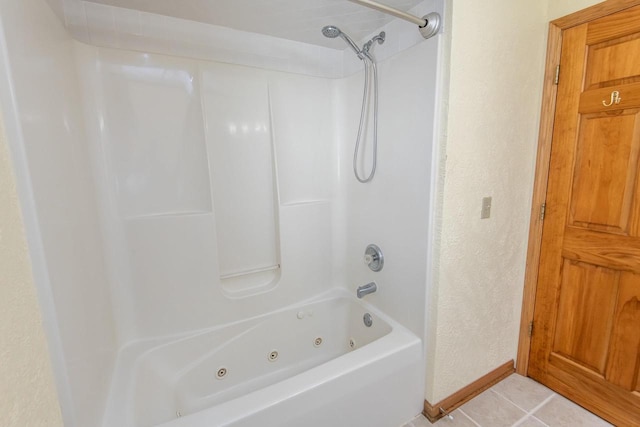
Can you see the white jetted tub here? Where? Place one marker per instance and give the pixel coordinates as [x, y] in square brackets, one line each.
[316, 365]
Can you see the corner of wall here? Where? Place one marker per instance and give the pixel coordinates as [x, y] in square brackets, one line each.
[437, 198]
[26, 378]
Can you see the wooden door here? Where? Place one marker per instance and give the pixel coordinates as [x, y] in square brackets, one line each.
[586, 337]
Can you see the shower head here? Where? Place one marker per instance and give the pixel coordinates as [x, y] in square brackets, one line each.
[331, 31]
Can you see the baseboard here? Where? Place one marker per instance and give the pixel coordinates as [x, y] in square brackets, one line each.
[451, 403]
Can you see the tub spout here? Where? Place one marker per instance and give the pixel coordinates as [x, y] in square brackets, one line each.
[367, 289]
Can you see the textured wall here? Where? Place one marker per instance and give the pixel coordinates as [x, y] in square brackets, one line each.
[27, 393]
[559, 8]
[66, 245]
[496, 73]
[497, 53]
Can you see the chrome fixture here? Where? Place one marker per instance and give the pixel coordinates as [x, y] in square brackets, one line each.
[367, 289]
[373, 258]
[367, 319]
[429, 25]
[370, 67]
[331, 31]
[445, 413]
[222, 372]
[379, 38]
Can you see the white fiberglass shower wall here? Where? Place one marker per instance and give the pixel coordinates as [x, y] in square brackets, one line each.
[215, 190]
[165, 194]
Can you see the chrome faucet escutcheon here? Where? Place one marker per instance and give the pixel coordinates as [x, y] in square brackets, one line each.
[367, 289]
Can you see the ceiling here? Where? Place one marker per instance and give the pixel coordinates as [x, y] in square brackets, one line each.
[299, 20]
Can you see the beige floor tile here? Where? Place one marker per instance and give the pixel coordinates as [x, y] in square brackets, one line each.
[503, 405]
[560, 412]
[418, 421]
[524, 392]
[489, 409]
[459, 420]
[531, 422]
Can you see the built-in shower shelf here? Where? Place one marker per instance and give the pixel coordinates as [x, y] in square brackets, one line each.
[248, 272]
[306, 202]
[249, 283]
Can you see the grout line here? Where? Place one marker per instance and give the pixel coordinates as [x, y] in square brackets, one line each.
[539, 420]
[521, 420]
[527, 414]
[518, 406]
[534, 410]
[523, 417]
[509, 400]
[544, 402]
[470, 419]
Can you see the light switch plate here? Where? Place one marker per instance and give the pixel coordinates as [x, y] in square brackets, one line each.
[486, 208]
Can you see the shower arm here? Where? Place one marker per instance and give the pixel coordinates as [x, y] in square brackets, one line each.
[429, 25]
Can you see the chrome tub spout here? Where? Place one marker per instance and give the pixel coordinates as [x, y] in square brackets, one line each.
[367, 289]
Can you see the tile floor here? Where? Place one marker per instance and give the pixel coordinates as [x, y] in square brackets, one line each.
[516, 402]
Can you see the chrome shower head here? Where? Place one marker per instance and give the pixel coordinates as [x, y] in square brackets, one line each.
[331, 31]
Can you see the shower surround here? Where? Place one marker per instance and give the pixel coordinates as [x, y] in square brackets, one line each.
[168, 192]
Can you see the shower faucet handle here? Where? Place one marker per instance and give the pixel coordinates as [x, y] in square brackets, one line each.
[373, 258]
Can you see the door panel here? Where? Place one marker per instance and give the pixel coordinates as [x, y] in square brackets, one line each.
[601, 73]
[625, 340]
[617, 252]
[586, 343]
[615, 26]
[586, 305]
[604, 173]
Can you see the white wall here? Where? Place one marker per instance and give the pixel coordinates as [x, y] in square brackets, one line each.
[41, 104]
[560, 8]
[205, 170]
[108, 26]
[392, 211]
[496, 72]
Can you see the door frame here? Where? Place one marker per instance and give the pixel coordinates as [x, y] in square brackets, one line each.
[549, 92]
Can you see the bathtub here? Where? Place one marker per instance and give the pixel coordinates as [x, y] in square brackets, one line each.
[312, 365]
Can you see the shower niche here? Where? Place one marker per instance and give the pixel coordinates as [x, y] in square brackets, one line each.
[243, 180]
[217, 178]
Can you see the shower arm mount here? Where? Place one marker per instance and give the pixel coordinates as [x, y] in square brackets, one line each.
[429, 25]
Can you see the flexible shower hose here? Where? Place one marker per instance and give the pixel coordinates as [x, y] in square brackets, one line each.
[369, 64]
